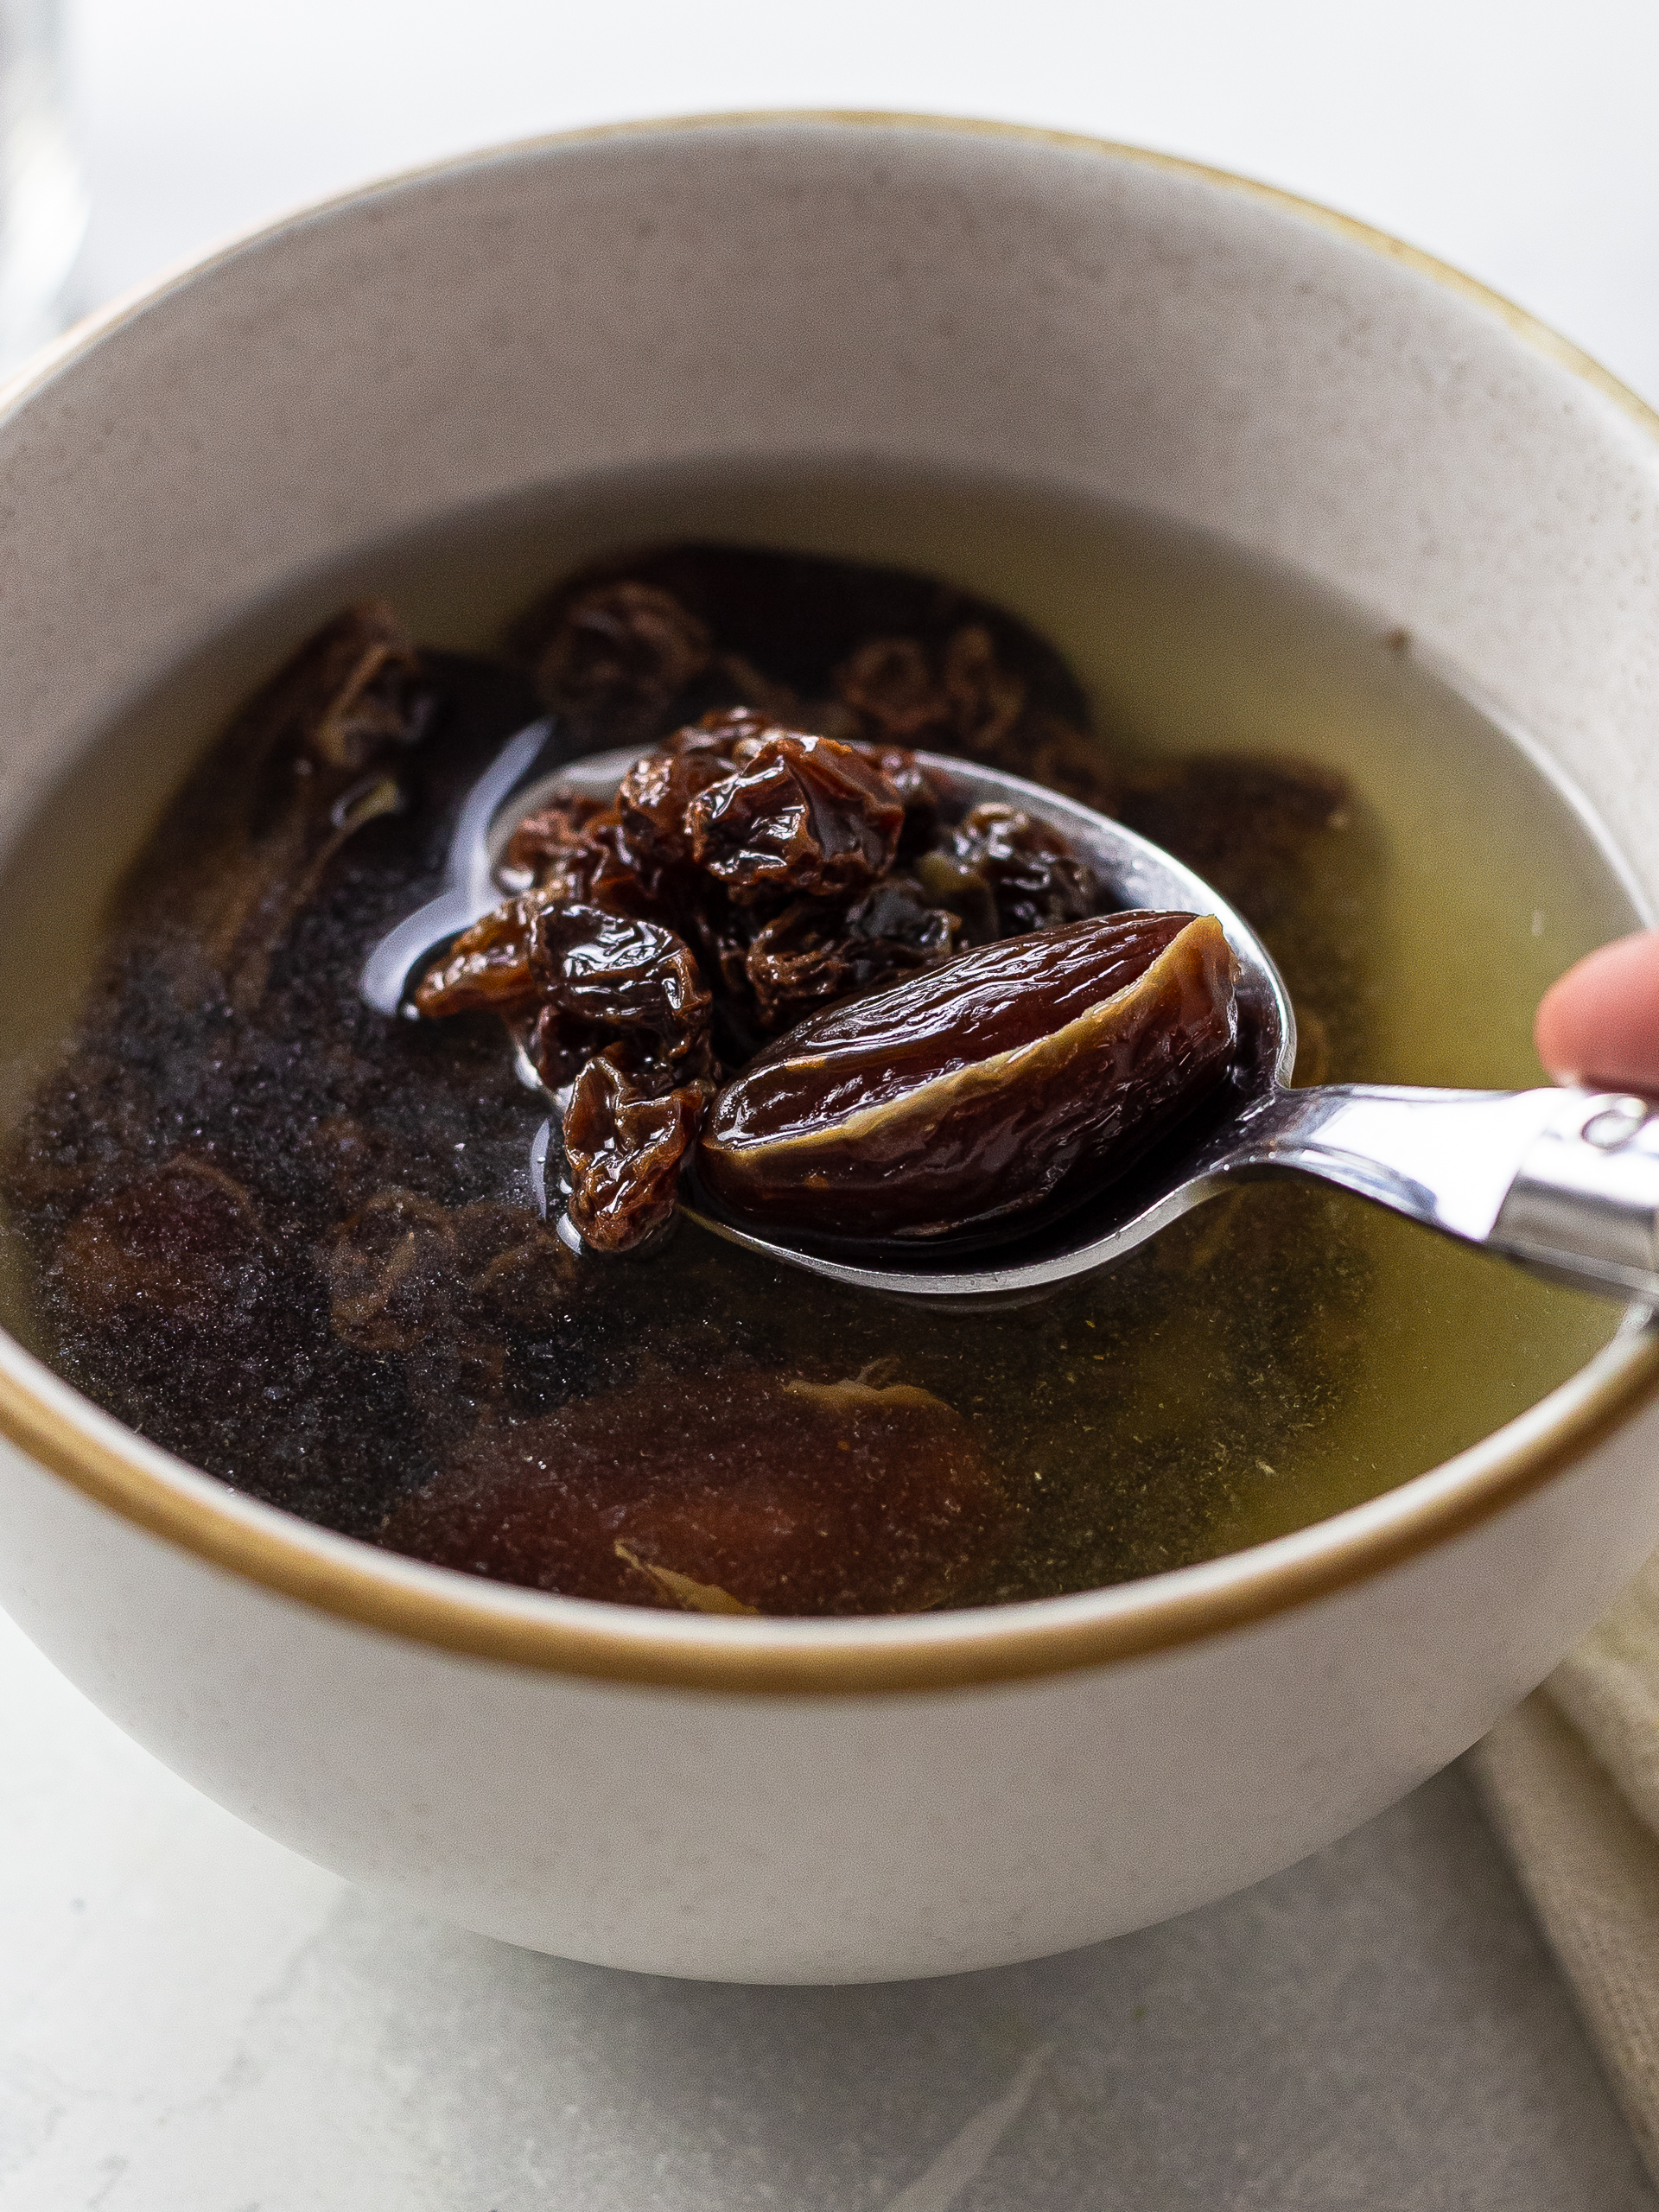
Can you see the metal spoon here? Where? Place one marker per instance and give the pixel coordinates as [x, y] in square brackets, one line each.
[1565, 1182]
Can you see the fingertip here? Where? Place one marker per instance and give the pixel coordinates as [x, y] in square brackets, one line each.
[1598, 1024]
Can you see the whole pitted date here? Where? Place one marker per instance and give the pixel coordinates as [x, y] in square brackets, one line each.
[963, 1097]
[727, 1491]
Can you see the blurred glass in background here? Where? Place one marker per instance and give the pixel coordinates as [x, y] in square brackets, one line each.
[42, 202]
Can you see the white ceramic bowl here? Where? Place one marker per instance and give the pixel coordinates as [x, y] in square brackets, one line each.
[776, 1800]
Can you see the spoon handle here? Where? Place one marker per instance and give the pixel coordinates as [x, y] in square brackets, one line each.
[1566, 1182]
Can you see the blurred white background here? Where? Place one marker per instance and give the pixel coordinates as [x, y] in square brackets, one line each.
[1517, 139]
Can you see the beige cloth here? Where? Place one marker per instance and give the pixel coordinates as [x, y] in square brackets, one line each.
[1571, 1780]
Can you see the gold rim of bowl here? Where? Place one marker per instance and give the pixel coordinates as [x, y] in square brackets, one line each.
[355, 1582]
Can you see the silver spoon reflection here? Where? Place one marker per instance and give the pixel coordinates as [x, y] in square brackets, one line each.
[1565, 1182]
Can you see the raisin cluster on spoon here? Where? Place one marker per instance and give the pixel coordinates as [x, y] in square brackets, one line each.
[745, 876]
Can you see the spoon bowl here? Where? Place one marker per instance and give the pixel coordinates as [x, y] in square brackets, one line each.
[1028, 1259]
[1560, 1181]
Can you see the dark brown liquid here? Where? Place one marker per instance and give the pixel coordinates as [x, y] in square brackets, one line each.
[1282, 1354]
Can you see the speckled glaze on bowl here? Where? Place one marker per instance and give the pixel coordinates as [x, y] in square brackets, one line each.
[785, 1801]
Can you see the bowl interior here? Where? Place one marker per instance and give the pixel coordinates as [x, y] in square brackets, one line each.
[1140, 334]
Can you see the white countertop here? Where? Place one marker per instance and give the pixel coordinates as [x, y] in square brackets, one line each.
[192, 2017]
[196, 2021]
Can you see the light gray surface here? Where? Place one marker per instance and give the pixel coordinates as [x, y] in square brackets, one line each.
[190, 2018]
[193, 2018]
[1514, 137]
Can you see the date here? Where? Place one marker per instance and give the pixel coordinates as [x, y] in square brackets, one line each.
[963, 1097]
[734, 1491]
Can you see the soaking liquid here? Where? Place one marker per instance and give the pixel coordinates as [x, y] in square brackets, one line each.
[1283, 1352]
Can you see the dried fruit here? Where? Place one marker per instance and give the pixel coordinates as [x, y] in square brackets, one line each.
[548, 848]
[1034, 877]
[183, 1244]
[961, 695]
[916, 790]
[617, 976]
[812, 952]
[624, 1147]
[274, 1233]
[965, 1097]
[621, 651]
[404, 1269]
[805, 814]
[488, 967]
[655, 794]
[299, 773]
[735, 1490]
[355, 688]
[680, 906]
